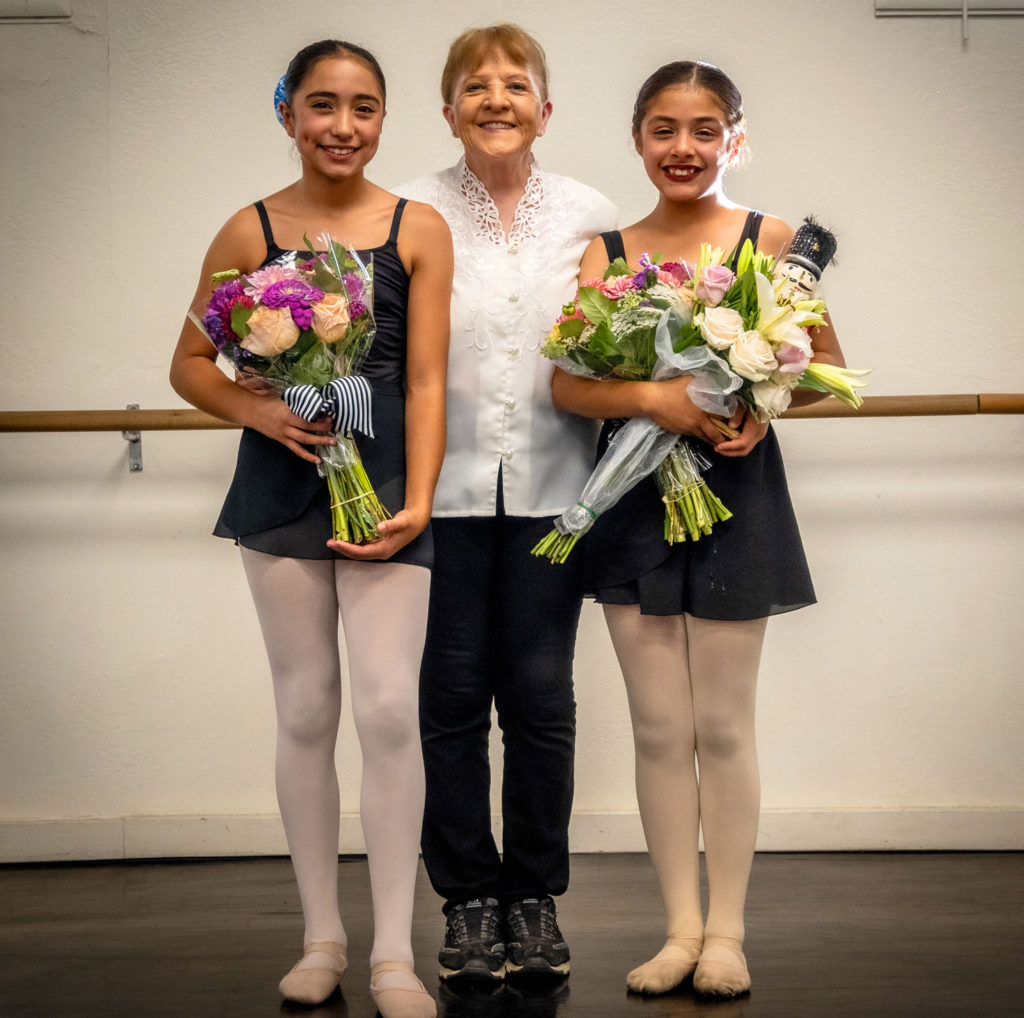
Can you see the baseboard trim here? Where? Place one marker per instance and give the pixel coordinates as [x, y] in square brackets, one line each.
[781, 830]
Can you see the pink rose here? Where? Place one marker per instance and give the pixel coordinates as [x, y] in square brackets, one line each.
[794, 352]
[792, 359]
[615, 287]
[715, 283]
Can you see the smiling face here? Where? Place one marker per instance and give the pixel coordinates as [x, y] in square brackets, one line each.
[686, 142]
[497, 112]
[335, 117]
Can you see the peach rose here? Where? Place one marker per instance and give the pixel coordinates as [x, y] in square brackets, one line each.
[330, 318]
[272, 331]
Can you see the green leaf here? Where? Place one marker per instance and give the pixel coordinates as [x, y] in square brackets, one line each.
[745, 258]
[618, 268]
[571, 328]
[604, 345]
[595, 305]
[326, 280]
[240, 315]
[688, 336]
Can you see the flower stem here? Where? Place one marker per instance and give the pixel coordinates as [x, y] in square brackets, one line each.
[555, 546]
[355, 508]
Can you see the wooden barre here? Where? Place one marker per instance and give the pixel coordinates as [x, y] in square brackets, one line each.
[196, 420]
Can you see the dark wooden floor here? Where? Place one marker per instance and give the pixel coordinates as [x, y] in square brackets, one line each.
[865, 934]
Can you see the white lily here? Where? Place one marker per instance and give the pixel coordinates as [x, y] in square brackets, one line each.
[769, 313]
[840, 382]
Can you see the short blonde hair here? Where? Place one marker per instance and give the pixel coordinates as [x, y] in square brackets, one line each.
[471, 48]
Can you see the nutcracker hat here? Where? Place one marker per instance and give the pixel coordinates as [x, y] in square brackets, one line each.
[812, 247]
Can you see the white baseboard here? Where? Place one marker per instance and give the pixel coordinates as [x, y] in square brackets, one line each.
[781, 830]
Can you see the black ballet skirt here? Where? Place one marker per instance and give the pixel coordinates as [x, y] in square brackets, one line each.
[748, 567]
[277, 502]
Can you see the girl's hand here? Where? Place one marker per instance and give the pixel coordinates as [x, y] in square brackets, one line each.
[272, 418]
[750, 429]
[396, 533]
[668, 404]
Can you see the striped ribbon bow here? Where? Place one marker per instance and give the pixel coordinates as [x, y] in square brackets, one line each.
[347, 401]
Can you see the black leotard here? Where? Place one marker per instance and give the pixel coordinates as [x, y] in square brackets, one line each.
[750, 566]
[277, 503]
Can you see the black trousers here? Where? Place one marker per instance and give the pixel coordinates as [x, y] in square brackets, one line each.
[501, 630]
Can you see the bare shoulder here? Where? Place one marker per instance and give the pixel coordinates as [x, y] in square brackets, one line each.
[775, 235]
[594, 260]
[424, 241]
[425, 220]
[239, 244]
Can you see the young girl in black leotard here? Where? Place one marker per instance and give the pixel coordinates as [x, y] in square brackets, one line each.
[278, 512]
[687, 621]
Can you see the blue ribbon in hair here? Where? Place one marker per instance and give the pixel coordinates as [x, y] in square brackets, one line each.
[348, 402]
[279, 97]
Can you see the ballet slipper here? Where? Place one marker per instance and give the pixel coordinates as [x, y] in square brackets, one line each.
[314, 983]
[722, 969]
[668, 968]
[400, 1001]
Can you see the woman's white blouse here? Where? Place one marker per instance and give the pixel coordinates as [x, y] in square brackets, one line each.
[506, 295]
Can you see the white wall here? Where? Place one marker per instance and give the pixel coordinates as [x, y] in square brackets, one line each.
[136, 715]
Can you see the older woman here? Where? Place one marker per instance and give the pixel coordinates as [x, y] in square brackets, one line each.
[502, 623]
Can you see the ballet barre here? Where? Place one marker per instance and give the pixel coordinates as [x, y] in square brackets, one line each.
[132, 421]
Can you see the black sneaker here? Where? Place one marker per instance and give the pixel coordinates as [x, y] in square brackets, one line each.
[534, 941]
[473, 948]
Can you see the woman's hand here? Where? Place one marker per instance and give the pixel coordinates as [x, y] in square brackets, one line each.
[396, 533]
[271, 417]
[750, 429]
[668, 404]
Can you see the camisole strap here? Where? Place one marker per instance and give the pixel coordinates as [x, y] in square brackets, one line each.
[613, 245]
[396, 221]
[751, 231]
[268, 234]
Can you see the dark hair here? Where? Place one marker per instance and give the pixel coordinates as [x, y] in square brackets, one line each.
[696, 74]
[475, 45]
[307, 57]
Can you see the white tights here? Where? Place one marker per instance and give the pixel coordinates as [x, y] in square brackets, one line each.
[691, 686]
[384, 612]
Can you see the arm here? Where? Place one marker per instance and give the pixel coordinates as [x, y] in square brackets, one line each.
[425, 245]
[776, 237]
[194, 373]
[666, 403]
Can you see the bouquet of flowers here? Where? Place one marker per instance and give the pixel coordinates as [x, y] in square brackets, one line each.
[742, 336]
[305, 328]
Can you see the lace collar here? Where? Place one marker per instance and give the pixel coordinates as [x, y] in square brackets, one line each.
[484, 213]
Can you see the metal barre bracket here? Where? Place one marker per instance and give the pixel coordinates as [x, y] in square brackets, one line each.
[134, 440]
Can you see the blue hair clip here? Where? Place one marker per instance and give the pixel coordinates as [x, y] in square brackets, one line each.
[279, 97]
